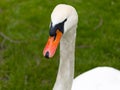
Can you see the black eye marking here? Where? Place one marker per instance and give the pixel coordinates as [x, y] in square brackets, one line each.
[59, 26]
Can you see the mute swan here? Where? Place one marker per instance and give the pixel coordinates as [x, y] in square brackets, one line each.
[63, 26]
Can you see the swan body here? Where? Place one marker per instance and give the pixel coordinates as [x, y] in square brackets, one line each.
[63, 26]
[100, 78]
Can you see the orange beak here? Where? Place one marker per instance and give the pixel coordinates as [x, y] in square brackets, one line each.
[52, 45]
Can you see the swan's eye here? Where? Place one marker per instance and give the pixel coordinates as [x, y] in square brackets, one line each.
[59, 26]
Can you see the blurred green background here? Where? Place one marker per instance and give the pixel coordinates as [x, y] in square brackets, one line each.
[24, 29]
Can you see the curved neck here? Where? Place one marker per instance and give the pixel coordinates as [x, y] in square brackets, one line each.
[66, 67]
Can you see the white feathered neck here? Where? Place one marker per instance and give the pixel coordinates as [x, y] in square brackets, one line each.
[67, 45]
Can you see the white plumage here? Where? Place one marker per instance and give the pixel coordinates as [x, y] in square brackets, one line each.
[100, 78]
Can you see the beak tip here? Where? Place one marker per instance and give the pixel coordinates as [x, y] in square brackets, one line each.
[47, 55]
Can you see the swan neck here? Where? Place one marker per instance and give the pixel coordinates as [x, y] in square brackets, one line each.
[66, 67]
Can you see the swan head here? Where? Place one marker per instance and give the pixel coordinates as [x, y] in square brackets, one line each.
[63, 18]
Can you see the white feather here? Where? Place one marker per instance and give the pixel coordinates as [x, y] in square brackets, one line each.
[100, 78]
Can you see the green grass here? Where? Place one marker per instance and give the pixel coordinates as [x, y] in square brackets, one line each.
[22, 65]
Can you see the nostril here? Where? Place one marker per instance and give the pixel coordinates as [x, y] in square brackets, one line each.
[47, 54]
